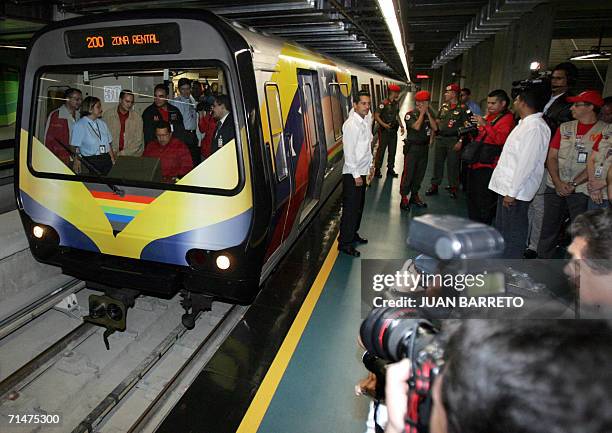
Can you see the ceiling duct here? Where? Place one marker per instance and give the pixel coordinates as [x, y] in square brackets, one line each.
[496, 15]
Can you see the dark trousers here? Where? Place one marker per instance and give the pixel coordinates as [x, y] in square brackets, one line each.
[386, 139]
[191, 140]
[513, 224]
[415, 166]
[482, 202]
[554, 211]
[444, 152]
[353, 199]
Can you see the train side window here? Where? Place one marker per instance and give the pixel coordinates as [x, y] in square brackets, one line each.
[275, 124]
[345, 98]
[337, 109]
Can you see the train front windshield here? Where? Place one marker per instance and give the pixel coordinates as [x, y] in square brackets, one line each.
[73, 138]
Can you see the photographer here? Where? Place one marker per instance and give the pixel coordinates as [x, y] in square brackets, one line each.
[516, 376]
[591, 264]
[566, 187]
[518, 173]
[493, 130]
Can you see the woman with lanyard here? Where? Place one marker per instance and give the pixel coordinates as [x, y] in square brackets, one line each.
[92, 140]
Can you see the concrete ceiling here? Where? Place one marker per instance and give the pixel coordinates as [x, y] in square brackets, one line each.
[349, 29]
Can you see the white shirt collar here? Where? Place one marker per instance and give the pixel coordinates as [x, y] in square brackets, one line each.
[358, 117]
[223, 119]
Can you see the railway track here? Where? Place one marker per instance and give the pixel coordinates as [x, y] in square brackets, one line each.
[80, 386]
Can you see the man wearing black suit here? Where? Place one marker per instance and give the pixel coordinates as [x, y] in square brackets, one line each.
[224, 133]
[556, 112]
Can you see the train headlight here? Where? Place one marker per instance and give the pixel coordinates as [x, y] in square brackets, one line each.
[223, 262]
[38, 232]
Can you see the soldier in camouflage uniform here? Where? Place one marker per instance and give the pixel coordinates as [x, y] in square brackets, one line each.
[420, 128]
[387, 115]
[448, 144]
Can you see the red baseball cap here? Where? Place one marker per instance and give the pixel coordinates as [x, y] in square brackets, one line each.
[393, 88]
[454, 87]
[590, 96]
[422, 95]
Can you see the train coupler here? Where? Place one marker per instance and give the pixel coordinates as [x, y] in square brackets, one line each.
[194, 303]
[110, 311]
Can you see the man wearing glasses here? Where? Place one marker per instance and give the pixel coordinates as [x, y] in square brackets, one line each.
[566, 183]
[556, 111]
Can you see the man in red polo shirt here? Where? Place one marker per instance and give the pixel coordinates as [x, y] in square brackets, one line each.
[173, 154]
[566, 183]
[493, 130]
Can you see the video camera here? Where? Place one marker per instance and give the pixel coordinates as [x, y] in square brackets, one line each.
[537, 79]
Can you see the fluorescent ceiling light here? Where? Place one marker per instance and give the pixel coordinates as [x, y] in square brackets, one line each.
[590, 55]
[388, 10]
[14, 47]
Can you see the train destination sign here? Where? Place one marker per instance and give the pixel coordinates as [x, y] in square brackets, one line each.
[150, 39]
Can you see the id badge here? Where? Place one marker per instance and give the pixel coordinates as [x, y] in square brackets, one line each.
[599, 171]
[102, 149]
[581, 158]
[220, 142]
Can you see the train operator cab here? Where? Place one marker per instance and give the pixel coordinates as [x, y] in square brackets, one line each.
[135, 226]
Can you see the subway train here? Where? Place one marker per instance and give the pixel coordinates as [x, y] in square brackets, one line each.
[221, 229]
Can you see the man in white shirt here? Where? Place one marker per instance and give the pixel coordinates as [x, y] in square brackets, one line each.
[357, 140]
[519, 171]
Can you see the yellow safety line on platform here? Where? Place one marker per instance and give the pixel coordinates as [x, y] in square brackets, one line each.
[254, 415]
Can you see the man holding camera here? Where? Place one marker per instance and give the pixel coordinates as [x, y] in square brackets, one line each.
[493, 130]
[420, 127]
[518, 173]
[566, 187]
[448, 144]
[529, 376]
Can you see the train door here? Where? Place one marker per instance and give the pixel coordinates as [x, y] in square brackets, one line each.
[311, 121]
[279, 147]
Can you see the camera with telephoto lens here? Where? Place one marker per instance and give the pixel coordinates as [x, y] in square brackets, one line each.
[392, 334]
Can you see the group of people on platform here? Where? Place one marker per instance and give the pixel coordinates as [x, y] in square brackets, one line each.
[523, 171]
[179, 132]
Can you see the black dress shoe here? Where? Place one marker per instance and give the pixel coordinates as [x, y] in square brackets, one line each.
[416, 200]
[530, 254]
[377, 174]
[359, 240]
[349, 250]
[404, 206]
[391, 173]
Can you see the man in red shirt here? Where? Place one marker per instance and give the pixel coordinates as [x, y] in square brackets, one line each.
[173, 154]
[493, 129]
[59, 125]
[566, 187]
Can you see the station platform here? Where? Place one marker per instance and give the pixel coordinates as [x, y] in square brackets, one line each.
[292, 363]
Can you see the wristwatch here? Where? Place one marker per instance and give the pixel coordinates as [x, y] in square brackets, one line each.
[573, 183]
